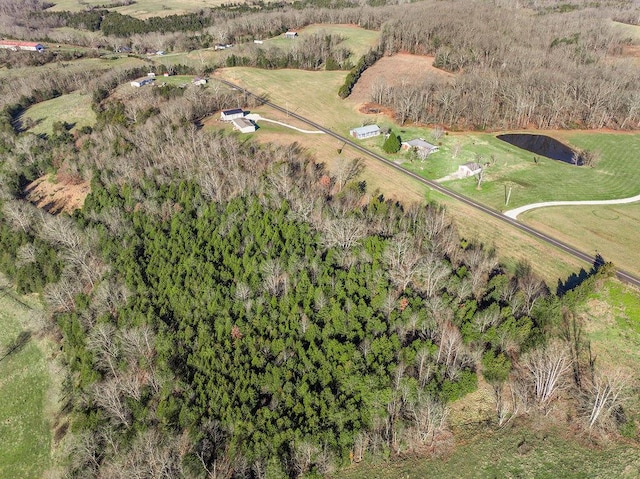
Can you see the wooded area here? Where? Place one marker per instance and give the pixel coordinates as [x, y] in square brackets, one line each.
[230, 309]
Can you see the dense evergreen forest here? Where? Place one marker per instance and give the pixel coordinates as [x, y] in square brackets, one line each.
[228, 309]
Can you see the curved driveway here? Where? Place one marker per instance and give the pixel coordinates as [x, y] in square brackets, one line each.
[517, 211]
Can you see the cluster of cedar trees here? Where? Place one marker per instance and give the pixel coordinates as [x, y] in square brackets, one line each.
[234, 310]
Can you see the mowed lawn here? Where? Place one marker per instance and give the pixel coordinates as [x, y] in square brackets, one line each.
[617, 175]
[25, 431]
[73, 108]
[610, 230]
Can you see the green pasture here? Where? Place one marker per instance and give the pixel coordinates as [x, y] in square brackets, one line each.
[25, 429]
[73, 108]
[142, 8]
[611, 230]
[358, 40]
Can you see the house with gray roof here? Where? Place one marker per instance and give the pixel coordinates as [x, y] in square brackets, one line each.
[365, 131]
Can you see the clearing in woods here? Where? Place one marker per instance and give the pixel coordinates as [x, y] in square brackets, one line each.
[57, 194]
[73, 108]
[394, 71]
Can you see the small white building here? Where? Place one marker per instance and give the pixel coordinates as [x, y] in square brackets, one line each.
[365, 131]
[141, 82]
[228, 115]
[469, 169]
[420, 145]
[290, 34]
[258, 42]
[243, 125]
[151, 75]
[199, 81]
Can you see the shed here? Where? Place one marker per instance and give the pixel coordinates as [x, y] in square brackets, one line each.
[243, 125]
[469, 169]
[17, 45]
[141, 82]
[151, 75]
[290, 34]
[258, 42]
[419, 144]
[228, 115]
[365, 131]
[199, 81]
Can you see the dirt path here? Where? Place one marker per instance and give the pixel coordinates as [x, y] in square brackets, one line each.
[517, 211]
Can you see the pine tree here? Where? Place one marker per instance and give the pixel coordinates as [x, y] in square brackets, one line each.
[392, 143]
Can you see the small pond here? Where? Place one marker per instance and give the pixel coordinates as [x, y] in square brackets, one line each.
[540, 145]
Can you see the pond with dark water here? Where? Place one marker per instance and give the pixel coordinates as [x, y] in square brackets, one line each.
[540, 145]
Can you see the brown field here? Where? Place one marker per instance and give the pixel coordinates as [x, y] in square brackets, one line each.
[395, 70]
[56, 196]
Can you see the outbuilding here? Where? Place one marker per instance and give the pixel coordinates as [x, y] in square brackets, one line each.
[228, 115]
[290, 34]
[16, 45]
[199, 81]
[243, 125]
[469, 169]
[365, 131]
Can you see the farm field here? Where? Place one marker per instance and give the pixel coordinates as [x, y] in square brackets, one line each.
[25, 388]
[73, 108]
[142, 8]
[611, 230]
[356, 39]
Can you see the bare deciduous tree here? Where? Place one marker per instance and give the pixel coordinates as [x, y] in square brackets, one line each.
[604, 394]
[546, 368]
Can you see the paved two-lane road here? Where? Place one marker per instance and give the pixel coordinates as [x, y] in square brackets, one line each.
[589, 259]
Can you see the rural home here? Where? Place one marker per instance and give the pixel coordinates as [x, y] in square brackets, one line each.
[290, 34]
[151, 75]
[199, 81]
[365, 131]
[228, 115]
[420, 145]
[469, 169]
[15, 45]
[141, 82]
[243, 125]
[258, 42]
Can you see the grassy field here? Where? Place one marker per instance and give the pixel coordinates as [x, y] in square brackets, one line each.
[25, 385]
[74, 108]
[356, 39]
[610, 230]
[142, 8]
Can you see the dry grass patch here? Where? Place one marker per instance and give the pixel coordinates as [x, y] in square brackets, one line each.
[56, 195]
[73, 108]
[394, 71]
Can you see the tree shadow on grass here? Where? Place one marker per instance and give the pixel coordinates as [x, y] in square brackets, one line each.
[16, 345]
[576, 279]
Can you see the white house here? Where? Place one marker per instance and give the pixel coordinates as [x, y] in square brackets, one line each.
[258, 42]
[365, 131]
[141, 82]
[199, 81]
[290, 34]
[469, 169]
[228, 115]
[16, 45]
[151, 75]
[420, 145]
[243, 125]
